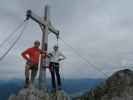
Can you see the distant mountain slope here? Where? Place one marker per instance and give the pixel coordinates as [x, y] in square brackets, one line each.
[8, 87]
[117, 87]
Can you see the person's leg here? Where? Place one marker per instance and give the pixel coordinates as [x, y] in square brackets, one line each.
[27, 74]
[34, 70]
[52, 71]
[58, 75]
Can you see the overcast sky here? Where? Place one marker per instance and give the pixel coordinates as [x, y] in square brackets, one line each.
[100, 30]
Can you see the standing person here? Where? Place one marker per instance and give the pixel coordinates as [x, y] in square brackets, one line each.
[31, 55]
[55, 57]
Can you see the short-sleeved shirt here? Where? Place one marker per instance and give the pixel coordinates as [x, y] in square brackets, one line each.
[32, 54]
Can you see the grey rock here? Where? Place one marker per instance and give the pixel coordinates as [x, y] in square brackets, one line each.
[35, 94]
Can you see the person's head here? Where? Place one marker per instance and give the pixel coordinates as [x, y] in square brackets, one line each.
[55, 47]
[37, 44]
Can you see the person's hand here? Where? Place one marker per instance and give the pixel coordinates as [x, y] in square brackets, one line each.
[44, 52]
[50, 55]
[28, 61]
[59, 59]
[44, 55]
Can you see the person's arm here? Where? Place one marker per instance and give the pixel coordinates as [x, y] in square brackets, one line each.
[43, 53]
[25, 53]
[62, 56]
[50, 55]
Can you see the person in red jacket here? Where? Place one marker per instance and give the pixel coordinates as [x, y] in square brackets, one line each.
[32, 55]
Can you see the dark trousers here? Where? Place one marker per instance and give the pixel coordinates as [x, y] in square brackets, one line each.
[54, 69]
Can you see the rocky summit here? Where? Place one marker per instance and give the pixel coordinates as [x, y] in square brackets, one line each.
[35, 94]
[117, 87]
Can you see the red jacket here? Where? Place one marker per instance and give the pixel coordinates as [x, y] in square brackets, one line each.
[32, 55]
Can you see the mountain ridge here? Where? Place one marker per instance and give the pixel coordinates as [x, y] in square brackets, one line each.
[119, 86]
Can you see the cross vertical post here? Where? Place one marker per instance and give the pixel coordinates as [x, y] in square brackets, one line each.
[45, 30]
